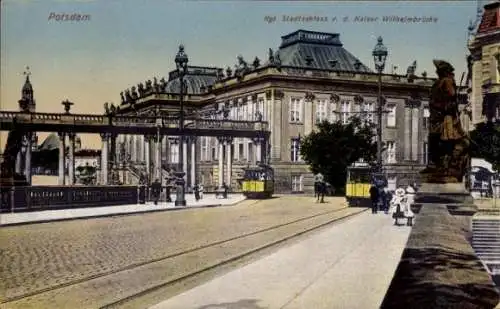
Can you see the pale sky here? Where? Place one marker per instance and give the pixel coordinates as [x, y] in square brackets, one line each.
[126, 42]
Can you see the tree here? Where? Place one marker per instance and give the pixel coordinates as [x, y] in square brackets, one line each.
[486, 143]
[335, 146]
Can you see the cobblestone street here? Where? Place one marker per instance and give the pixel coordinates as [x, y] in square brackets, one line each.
[39, 257]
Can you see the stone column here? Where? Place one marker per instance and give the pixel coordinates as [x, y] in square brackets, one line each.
[112, 148]
[62, 147]
[229, 158]
[258, 150]
[158, 168]
[133, 148]
[308, 115]
[71, 158]
[407, 133]
[19, 163]
[193, 160]
[147, 156]
[277, 118]
[27, 158]
[415, 129]
[104, 158]
[221, 160]
[185, 155]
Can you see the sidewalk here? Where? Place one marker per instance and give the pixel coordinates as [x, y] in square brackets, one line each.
[208, 200]
[349, 265]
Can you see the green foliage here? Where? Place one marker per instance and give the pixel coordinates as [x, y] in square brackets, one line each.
[333, 147]
[486, 143]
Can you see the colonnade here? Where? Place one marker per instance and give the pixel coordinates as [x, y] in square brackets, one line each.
[23, 159]
[151, 152]
[226, 152]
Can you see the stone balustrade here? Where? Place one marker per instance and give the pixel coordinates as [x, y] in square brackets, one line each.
[124, 124]
[35, 198]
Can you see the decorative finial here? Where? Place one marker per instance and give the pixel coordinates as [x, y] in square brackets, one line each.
[27, 72]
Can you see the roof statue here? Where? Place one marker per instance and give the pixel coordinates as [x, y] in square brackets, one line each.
[256, 63]
[134, 94]
[410, 71]
[241, 68]
[271, 56]
[229, 72]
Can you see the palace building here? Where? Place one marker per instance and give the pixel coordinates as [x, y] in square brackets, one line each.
[311, 77]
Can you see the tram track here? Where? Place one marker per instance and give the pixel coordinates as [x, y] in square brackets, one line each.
[155, 274]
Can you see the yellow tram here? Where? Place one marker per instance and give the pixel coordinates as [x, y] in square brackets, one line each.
[359, 180]
[258, 182]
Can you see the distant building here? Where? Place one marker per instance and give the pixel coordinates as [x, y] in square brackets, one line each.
[310, 78]
[484, 67]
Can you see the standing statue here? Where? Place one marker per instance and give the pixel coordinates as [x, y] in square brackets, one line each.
[448, 142]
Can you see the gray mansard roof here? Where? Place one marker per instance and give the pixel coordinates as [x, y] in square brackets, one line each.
[195, 79]
[320, 50]
[302, 49]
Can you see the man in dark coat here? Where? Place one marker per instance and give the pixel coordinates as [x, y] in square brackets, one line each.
[156, 191]
[374, 197]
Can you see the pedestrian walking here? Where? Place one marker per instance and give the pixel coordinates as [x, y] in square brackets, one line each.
[374, 197]
[200, 189]
[196, 190]
[156, 190]
[226, 189]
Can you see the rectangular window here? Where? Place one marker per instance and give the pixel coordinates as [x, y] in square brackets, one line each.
[321, 111]
[369, 111]
[392, 183]
[260, 108]
[297, 183]
[214, 157]
[391, 152]
[241, 150]
[252, 110]
[295, 150]
[174, 152]
[425, 119]
[295, 110]
[345, 107]
[391, 115]
[204, 146]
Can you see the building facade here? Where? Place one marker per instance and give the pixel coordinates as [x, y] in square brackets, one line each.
[311, 77]
[484, 66]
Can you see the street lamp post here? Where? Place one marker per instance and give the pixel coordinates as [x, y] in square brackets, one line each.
[379, 56]
[181, 61]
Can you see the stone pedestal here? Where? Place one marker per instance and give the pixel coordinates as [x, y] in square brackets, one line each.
[454, 195]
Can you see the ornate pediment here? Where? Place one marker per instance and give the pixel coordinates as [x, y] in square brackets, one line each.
[279, 94]
[413, 102]
[335, 98]
[310, 96]
[358, 99]
[269, 94]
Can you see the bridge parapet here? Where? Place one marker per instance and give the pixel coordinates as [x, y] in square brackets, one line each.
[75, 120]
[438, 267]
[33, 198]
